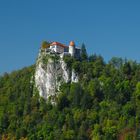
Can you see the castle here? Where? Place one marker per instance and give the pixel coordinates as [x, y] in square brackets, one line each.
[64, 50]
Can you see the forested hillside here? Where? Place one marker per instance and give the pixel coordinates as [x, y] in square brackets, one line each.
[104, 105]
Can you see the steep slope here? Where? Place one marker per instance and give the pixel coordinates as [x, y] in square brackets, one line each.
[103, 105]
[50, 73]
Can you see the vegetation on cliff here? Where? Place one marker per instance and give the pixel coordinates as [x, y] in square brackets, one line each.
[104, 105]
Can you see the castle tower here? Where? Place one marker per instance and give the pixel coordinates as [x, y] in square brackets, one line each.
[72, 48]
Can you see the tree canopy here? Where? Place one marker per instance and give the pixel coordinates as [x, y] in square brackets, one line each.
[103, 105]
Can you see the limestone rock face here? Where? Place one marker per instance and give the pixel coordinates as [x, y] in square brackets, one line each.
[74, 77]
[50, 73]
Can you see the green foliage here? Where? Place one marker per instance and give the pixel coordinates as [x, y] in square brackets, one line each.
[45, 44]
[76, 66]
[45, 59]
[84, 55]
[69, 61]
[104, 105]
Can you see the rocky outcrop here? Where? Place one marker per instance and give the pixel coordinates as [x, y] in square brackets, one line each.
[74, 77]
[51, 72]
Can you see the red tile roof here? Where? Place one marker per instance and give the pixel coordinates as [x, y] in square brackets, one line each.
[58, 44]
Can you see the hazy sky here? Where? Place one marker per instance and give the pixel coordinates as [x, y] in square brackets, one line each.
[107, 27]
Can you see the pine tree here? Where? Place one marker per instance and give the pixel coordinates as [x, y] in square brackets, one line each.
[84, 55]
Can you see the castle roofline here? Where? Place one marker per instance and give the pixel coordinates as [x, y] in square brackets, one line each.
[58, 44]
[78, 48]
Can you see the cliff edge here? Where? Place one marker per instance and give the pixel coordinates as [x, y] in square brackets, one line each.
[50, 73]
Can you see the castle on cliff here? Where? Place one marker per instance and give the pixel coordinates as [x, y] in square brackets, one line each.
[64, 50]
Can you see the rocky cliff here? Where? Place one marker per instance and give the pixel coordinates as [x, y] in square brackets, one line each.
[50, 73]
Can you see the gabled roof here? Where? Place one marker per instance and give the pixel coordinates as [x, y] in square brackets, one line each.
[58, 44]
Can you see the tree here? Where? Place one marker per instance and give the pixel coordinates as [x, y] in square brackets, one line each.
[103, 104]
[127, 69]
[62, 101]
[116, 62]
[75, 94]
[84, 55]
[92, 58]
[137, 100]
[45, 44]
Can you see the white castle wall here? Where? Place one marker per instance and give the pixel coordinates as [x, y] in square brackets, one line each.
[72, 50]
